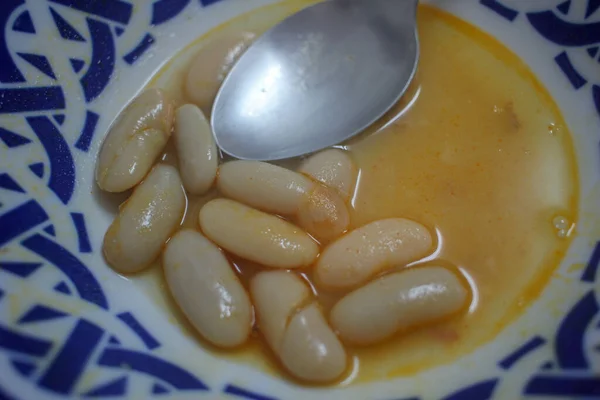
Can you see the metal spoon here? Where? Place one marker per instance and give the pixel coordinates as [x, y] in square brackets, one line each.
[316, 79]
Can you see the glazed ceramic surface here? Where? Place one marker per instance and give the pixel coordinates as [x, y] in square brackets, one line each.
[70, 327]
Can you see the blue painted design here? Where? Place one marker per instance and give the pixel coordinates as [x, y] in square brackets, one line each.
[245, 394]
[62, 166]
[119, 31]
[149, 340]
[521, 352]
[114, 10]
[570, 72]
[479, 391]
[11, 139]
[9, 73]
[62, 374]
[76, 64]
[8, 183]
[37, 169]
[592, 6]
[87, 133]
[50, 230]
[82, 235]
[208, 2]
[24, 368]
[564, 33]
[23, 344]
[564, 7]
[164, 10]
[157, 388]
[21, 219]
[500, 9]
[65, 29]
[21, 269]
[39, 313]
[596, 96]
[547, 366]
[1, 294]
[39, 62]
[572, 386]
[59, 118]
[86, 285]
[589, 274]
[570, 352]
[592, 51]
[62, 288]
[140, 49]
[5, 396]
[116, 387]
[102, 63]
[145, 363]
[17, 100]
[23, 23]
[114, 340]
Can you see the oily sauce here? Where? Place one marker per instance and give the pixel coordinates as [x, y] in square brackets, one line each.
[476, 150]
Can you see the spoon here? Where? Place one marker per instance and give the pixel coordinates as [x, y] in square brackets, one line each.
[316, 79]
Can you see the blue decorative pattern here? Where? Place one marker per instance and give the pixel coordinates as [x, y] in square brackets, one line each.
[38, 98]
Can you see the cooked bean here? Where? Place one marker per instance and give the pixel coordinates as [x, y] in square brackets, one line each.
[198, 157]
[367, 251]
[397, 302]
[334, 168]
[264, 186]
[207, 290]
[295, 328]
[274, 189]
[146, 221]
[208, 70]
[134, 141]
[257, 236]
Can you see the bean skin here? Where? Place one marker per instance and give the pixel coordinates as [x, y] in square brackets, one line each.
[334, 168]
[257, 236]
[206, 288]
[363, 253]
[397, 302]
[196, 148]
[134, 141]
[146, 221]
[296, 329]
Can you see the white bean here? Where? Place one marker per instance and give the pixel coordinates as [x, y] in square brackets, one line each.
[257, 236]
[264, 186]
[207, 290]
[334, 168]
[319, 210]
[146, 221]
[196, 148]
[211, 66]
[134, 141]
[295, 327]
[367, 251]
[397, 302]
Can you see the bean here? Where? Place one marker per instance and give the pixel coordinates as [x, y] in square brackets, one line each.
[397, 302]
[295, 327]
[210, 68]
[367, 251]
[256, 236]
[146, 221]
[319, 210]
[134, 141]
[334, 168]
[207, 290]
[198, 157]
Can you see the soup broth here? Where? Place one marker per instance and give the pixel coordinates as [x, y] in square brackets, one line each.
[476, 150]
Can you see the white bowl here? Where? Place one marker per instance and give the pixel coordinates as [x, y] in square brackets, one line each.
[71, 327]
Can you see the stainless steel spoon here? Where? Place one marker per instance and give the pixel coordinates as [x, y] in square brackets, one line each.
[316, 79]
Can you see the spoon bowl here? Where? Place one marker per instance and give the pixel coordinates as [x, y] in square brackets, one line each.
[316, 79]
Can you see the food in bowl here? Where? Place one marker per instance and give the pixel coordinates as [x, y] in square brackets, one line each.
[404, 248]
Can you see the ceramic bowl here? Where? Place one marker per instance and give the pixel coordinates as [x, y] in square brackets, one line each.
[70, 327]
